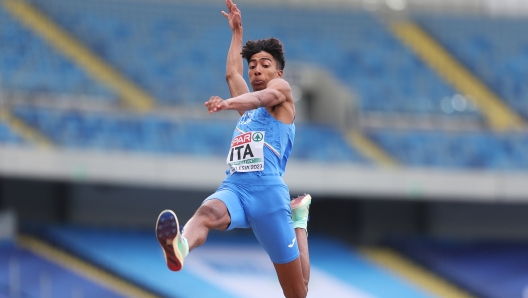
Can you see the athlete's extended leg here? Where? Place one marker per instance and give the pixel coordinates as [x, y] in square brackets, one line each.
[212, 214]
[169, 237]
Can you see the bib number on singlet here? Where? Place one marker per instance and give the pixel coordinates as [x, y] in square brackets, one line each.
[247, 152]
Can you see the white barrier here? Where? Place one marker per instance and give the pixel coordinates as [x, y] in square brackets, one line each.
[340, 180]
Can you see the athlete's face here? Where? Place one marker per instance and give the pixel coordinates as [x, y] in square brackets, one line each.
[262, 69]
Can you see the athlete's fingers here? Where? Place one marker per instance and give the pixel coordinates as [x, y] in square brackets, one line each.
[216, 108]
[213, 103]
[209, 104]
[217, 102]
[225, 14]
[229, 5]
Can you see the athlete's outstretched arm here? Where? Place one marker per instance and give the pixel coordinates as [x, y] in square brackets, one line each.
[276, 92]
[234, 65]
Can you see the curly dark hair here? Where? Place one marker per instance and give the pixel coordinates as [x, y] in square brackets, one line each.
[271, 45]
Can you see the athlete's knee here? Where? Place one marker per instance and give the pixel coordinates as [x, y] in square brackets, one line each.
[212, 216]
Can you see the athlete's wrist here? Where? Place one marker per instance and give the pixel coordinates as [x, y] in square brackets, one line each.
[237, 29]
[226, 103]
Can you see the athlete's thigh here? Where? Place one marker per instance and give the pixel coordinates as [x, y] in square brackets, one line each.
[270, 218]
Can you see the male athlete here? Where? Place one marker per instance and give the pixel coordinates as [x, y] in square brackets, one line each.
[253, 193]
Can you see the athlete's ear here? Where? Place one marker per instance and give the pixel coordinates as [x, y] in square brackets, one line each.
[279, 73]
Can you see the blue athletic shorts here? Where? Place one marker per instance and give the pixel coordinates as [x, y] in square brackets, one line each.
[262, 203]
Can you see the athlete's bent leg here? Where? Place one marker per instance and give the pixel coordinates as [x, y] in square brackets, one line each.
[302, 242]
[300, 207]
[291, 278]
[212, 214]
[295, 275]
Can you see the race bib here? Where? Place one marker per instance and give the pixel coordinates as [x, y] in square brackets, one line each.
[247, 152]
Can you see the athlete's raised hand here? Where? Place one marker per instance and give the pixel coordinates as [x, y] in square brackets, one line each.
[216, 104]
[234, 17]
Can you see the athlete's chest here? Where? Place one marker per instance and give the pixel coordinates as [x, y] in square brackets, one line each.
[255, 119]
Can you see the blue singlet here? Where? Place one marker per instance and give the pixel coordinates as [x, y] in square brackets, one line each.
[254, 193]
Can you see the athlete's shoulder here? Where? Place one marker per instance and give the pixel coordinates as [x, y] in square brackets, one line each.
[279, 83]
[283, 87]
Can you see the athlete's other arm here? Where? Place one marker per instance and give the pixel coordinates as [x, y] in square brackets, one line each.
[277, 92]
[234, 65]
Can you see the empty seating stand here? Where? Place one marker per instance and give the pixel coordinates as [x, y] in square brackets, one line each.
[495, 49]
[158, 135]
[470, 150]
[29, 64]
[176, 50]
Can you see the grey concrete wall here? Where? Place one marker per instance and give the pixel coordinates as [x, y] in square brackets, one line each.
[322, 179]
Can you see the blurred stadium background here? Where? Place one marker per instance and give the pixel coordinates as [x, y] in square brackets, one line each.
[411, 137]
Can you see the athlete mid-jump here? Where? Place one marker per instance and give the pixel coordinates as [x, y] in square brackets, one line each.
[253, 194]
